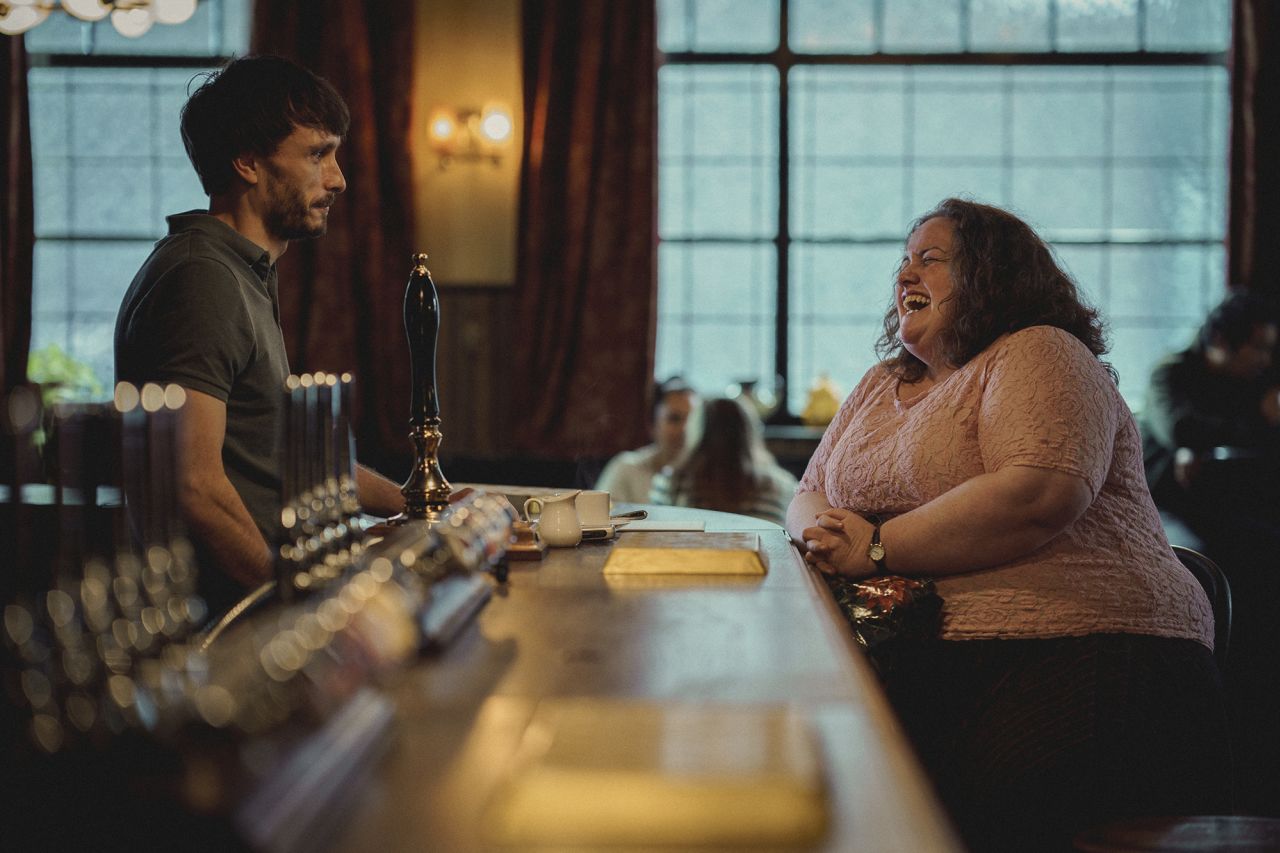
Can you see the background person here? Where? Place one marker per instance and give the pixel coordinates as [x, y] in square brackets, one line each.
[1219, 392]
[1073, 681]
[726, 467]
[628, 476]
[1220, 396]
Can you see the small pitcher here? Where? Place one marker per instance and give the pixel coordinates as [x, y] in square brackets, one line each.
[557, 517]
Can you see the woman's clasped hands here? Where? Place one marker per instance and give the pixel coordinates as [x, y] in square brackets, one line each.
[838, 543]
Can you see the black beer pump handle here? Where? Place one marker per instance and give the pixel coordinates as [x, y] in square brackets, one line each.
[422, 326]
[426, 492]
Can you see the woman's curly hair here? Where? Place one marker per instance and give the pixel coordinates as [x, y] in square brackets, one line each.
[1004, 279]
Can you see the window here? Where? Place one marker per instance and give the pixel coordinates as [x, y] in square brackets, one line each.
[109, 162]
[799, 138]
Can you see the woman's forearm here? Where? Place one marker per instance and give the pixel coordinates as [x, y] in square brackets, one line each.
[803, 511]
[991, 519]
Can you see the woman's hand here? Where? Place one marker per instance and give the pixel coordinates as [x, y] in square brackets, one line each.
[838, 542]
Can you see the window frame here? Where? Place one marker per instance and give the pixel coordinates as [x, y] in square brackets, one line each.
[783, 59]
[196, 63]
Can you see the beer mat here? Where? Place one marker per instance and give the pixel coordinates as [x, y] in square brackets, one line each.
[599, 773]
[683, 553]
[650, 525]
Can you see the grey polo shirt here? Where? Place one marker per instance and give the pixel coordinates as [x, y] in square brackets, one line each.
[203, 312]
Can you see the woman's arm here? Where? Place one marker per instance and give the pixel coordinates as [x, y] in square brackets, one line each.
[988, 520]
[803, 512]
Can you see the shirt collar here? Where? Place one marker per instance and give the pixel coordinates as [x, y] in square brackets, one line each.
[258, 258]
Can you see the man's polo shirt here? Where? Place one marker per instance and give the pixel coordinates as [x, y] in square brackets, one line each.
[203, 312]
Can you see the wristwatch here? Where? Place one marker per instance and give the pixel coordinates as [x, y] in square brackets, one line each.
[875, 551]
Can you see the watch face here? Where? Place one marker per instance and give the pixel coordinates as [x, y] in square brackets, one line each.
[876, 552]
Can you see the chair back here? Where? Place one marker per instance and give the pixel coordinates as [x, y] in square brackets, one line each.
[1218, 590]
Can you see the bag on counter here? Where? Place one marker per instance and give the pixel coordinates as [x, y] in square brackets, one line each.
[888, 613]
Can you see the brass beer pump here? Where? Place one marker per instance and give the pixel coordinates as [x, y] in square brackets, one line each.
[426, 492]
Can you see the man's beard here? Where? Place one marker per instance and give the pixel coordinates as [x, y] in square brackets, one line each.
[288, 214]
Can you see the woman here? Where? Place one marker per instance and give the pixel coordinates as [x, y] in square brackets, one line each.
[991, 451]
[727, 467]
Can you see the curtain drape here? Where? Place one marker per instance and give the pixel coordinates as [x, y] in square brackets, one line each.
[17, 234]
[1253, 251]
[342, 295]
[586, 286]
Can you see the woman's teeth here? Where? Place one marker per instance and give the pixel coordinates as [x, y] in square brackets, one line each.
[915, 301]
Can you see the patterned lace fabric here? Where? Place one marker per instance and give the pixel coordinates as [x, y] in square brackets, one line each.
[1038, 398]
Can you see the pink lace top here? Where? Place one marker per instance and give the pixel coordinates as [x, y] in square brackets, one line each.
[1039, 398]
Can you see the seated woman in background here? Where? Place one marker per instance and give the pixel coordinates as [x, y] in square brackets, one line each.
[991, 450]
[726, 467]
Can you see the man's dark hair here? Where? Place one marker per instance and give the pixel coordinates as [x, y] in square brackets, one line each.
[1235, 318]
[673, 385]
[250, 105]
[1004, 279]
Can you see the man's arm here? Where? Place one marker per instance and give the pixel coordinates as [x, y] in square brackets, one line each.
[211, 506]
[377, 494]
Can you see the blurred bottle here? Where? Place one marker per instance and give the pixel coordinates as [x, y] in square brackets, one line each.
[762, 401]
[823, 402]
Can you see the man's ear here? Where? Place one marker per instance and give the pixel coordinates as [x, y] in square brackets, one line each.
[246, 165]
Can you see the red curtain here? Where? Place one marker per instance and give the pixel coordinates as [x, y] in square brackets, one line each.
[586, 288]
[17, 234]
[1254, 220]
[342, 295]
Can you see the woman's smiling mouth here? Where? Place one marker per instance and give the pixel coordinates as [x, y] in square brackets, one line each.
[915, 301]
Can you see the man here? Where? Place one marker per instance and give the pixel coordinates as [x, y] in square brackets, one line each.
[629, 475]
[203, 311]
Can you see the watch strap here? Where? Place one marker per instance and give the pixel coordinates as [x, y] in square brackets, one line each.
[875, 551]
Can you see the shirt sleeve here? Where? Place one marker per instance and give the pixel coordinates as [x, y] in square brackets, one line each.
[815, 473]
[1047, 402]
[192, 328]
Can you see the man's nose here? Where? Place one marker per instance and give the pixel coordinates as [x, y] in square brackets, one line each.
[335, 181]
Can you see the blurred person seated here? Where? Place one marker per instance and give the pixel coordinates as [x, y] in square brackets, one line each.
[1211, 425]
[628, 476]
[1211, 439]
[990, 450]
[726, 467]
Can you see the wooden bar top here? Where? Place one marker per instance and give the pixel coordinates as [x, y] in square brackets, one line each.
[561, 629]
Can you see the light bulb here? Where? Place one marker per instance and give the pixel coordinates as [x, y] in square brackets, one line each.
[495, 124]
[173, 11]
[18, 19]
[87, 10]
[443, 126]
[132, 23]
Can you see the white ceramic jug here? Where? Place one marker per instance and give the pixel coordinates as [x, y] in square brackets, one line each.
[557, 517]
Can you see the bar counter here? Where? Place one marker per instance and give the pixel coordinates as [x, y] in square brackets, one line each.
[559, 628]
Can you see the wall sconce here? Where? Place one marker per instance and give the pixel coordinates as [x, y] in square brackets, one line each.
[470, 135]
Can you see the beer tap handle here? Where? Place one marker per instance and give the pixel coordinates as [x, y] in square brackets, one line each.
[426, 491]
